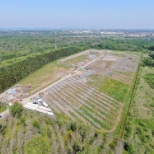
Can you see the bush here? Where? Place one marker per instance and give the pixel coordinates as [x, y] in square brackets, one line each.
[128, 147]
[153, 133]
[151, 48]
[127, 130]
[76, 147]
[72, 126]
[16, 109]
[23, 121]
[141, 124]
[36, 124]
[113, 144]
[144, 138]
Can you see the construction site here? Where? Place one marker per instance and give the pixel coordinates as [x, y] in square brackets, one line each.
[77, 92]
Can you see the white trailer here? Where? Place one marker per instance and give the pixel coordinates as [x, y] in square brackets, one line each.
[50, 113]
[45, 104]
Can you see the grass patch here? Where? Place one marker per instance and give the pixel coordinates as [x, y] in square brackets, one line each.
[41, 75]
[145, 123]
[2, 108]
[114, 88]
[75, 60]
[44, 76]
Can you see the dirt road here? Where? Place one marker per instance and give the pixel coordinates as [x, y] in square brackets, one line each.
[5, 114]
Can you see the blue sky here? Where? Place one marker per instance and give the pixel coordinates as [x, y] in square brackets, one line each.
[108, 14]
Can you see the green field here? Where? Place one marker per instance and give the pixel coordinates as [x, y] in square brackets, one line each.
[139, 130]
[75, 60]
[114, 88]
[2, 108]
[45, 76]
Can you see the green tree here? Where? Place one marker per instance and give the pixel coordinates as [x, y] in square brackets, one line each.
[16, 109]
[151, 54]
[151, 48]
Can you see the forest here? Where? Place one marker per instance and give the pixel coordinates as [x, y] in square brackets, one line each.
[23, 52]
[32, 133]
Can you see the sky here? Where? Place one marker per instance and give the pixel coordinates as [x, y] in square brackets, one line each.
[106, 14]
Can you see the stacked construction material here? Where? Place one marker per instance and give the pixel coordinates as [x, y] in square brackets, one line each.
[38, 108]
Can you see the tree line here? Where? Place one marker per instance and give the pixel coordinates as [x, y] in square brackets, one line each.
[149, 61]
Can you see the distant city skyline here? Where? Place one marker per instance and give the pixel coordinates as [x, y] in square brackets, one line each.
[97, 14]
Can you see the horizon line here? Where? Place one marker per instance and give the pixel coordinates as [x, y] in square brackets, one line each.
[74, 28]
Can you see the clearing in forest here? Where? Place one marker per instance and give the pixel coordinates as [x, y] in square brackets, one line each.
[90, 87]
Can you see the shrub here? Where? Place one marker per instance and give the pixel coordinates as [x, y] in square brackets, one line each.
[127, 131]
[141, 124]
[36, 124]
[128, 147]
[72, 126]
[23, 121]
[113, 144]
[76, 147]
[153, 133]
[144, 138]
